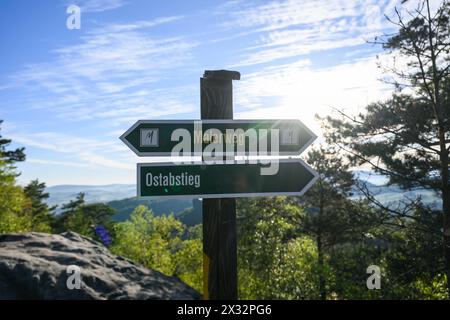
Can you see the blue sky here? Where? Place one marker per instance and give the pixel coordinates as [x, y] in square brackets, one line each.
[67, 95]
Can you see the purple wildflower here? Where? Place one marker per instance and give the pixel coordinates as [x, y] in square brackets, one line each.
[103, 235]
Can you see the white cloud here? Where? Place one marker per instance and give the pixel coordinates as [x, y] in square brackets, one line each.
[56, 163]
[112, 72]
[296, 49]
[81, 151]
[112, 75]
[138, 24]
[97, 5]
[293, 28]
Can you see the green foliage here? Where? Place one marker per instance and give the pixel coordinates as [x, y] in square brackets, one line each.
[371, 140]
[436, 289]
[82, 218]
[68, 210]
[73, 205]
[189, 264]
[156, 242]
[39, 212]
[20, 209]
[12, 202]
[16, 204]
[348, 263]
[300, 271]
[12, 198]
[406, 139]
[332, 218]
[9, 157]
[87, 217]
[268, 251]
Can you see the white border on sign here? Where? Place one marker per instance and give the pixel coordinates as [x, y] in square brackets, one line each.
[224, 195]
[253, 153]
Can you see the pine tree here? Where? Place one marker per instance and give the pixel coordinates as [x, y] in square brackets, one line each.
[12, 198]
[67, 210]
[332, 218]
[10, 156]
[40, 212]
[407, 137]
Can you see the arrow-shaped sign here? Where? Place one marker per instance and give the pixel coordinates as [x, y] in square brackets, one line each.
[222, 180]
[246, 137]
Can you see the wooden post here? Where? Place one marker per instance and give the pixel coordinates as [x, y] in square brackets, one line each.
[219, 215]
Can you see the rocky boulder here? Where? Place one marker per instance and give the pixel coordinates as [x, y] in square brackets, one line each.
[36, 266]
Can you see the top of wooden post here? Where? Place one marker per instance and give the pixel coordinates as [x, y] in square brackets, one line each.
[222, 74]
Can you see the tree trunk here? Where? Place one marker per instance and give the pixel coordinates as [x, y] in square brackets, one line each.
[446, 240]
[442, 119]
[322, 289]
[445, 205]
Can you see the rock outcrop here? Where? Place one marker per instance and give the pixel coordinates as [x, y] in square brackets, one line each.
[35, 266]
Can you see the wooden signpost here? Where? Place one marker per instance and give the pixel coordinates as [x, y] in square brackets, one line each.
[220, 182]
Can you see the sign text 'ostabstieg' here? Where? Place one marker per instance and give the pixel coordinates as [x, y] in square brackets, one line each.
[224, 180]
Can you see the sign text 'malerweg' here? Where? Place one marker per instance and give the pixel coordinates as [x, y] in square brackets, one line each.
[218, 137]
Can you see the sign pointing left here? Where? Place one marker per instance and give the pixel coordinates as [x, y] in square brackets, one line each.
[246, 137]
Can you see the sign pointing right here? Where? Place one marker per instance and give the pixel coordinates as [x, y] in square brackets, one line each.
[223, 180]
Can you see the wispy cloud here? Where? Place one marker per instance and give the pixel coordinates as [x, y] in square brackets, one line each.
[56, 163]
[110, 73]
[115, 74]
[142, 24]
[81, 151]
[294, 28]
[97, 5]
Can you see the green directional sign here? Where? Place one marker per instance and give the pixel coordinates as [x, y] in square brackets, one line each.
[243, 137]
[222, 180]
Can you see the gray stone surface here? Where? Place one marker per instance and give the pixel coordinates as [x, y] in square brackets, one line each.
[33, 266]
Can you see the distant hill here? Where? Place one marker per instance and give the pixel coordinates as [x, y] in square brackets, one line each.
[125, 206]
[122, 198]
[188, 211]
[102, 193]
[192, 216]
[392, 195]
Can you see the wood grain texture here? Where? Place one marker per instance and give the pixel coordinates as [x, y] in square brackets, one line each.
[219, 215]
